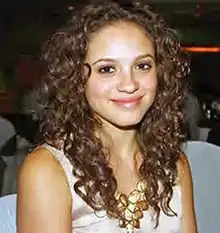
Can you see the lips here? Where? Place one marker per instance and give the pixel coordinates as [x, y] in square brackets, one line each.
[128, 102]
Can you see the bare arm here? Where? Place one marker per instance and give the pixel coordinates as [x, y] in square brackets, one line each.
[44, 200]
[188, 219]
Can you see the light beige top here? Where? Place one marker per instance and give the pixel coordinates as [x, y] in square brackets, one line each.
[86, 221]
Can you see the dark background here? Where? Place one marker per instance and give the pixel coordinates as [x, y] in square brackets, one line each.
[25, 25]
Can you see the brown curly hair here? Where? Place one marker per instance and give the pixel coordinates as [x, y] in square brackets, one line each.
[68, 118]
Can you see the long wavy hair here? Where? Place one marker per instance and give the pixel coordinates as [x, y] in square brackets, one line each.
[68, 118]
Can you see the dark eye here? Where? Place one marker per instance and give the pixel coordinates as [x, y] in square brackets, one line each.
[143, 66]
[107, 69]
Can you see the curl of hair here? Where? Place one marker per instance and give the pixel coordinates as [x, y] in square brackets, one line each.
[68, 118]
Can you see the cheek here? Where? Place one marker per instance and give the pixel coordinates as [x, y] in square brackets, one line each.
[97, 89]
[150, 83]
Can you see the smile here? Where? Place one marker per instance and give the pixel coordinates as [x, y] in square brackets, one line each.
[128, 102]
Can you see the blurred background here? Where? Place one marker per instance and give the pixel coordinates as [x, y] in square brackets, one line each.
[25, 25]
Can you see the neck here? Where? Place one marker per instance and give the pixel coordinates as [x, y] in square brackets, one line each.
[121, 141]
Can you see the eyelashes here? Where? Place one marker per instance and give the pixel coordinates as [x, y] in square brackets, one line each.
[107, 69]
[111, 69]
[144, 66]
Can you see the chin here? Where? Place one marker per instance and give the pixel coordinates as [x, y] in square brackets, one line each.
[121, 120]
[129, 123]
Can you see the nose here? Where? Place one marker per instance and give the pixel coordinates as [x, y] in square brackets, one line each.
[128, 83]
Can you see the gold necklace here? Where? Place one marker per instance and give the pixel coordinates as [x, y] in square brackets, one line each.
[132, 206]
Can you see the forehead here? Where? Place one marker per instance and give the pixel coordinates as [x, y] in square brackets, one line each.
[118, 39]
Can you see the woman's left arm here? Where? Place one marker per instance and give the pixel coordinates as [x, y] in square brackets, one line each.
[188, 218]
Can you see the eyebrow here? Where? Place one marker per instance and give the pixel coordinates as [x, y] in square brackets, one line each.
[112, 59]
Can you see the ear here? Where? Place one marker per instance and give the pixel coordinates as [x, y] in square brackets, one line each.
[87, 70]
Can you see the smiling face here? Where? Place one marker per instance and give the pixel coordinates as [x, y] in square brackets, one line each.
[123, 80]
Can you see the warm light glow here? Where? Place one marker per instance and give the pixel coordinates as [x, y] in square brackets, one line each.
[202, 49]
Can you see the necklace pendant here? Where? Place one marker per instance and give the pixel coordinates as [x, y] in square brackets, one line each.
[132, 207]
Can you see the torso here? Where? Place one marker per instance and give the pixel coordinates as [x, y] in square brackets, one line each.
[85, 220]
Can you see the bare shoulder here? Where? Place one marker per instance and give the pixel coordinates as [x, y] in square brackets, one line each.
[183, 168]
[184, 173]
[39, 169]
[44, 199]
[40, 164]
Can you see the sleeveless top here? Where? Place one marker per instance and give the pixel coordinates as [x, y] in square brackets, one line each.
[85, 220]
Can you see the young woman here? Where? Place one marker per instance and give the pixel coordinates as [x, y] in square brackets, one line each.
[112, 129]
